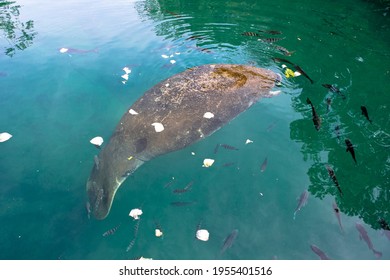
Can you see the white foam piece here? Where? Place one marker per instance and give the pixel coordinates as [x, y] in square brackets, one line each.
[158, 127]
[207, 162]
[131, 111]
[164, 56]
[172, 61]
[5, 136]
[208, 115]
[135, 213]
[64, 50]
[97, 141]
[248, 141]
[125, 76]
[202, 234]
[127, 70]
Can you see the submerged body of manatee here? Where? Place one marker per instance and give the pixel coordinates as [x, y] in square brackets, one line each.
[170, 94]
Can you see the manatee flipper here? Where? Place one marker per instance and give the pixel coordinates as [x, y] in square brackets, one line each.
[170, 116]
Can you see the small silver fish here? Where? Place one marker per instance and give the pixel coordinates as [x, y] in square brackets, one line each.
[302, 201]
[319, 252]
[229, 241]
[364, 235]
[336, 210]
[111, 231]
[264, 165]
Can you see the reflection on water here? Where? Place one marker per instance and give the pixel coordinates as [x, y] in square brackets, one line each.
[18, 34]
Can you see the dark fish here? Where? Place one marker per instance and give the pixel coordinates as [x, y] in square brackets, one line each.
[278, 59]
[332, 88]
[270, 40]
[334, 179]
[319, 252]
[216, 148]
[228, 147]
[272, 32]
[283, 50]
[229, 241]
[336, 210]
[337, 130]
[300, 70]
[364, 235]
[228, 164]
[111, 231]
[264, 164]
[271, 126]
[328, 102]
[252, 34]
[173, 14]
[185, 189]
[302, 201]
[350, 149]
[182, 203]
[316, 118]
[365, 113]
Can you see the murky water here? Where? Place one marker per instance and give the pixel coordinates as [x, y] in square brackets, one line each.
[54, 102]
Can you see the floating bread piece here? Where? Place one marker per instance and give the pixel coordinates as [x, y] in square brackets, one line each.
[131, 111]
[208, 115]
[164, 56]
[172, 61]
[207, 162]
[97, 141]
[248, 141]
[125, 76]
[127, 70]
[135, 213]
[158, 232]
[158, 127]
[63, 50]
[202, 234]
[5, 136]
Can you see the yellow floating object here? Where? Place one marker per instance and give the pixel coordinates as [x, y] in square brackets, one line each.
[129, 158]
[289, 73]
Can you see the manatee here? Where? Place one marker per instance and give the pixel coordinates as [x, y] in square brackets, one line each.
[170, 116]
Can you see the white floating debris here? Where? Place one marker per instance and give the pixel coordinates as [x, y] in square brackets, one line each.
[127, 70]
[135, 213]
[192, 153]
[158, 232]
[248, 141]
[145, 259]
[125, 76]
[171, 55]
[5, 136]
[297, 74]
[276, 92]
[172, 61]
[97, 141]
[208, 115]
[261, 194]
[124, 82]
[131, 111]
[158, 127]
[359, 58]
[207, 162]
[202, 234]
[167, 85]
[164, 56]
[177, 53]
[63, 50]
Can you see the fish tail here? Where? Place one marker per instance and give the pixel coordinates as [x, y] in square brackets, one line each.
[377, 253]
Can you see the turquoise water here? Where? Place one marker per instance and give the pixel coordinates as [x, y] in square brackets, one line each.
[53, 103]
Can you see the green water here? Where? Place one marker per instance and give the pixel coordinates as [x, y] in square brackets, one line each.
[53, 103]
